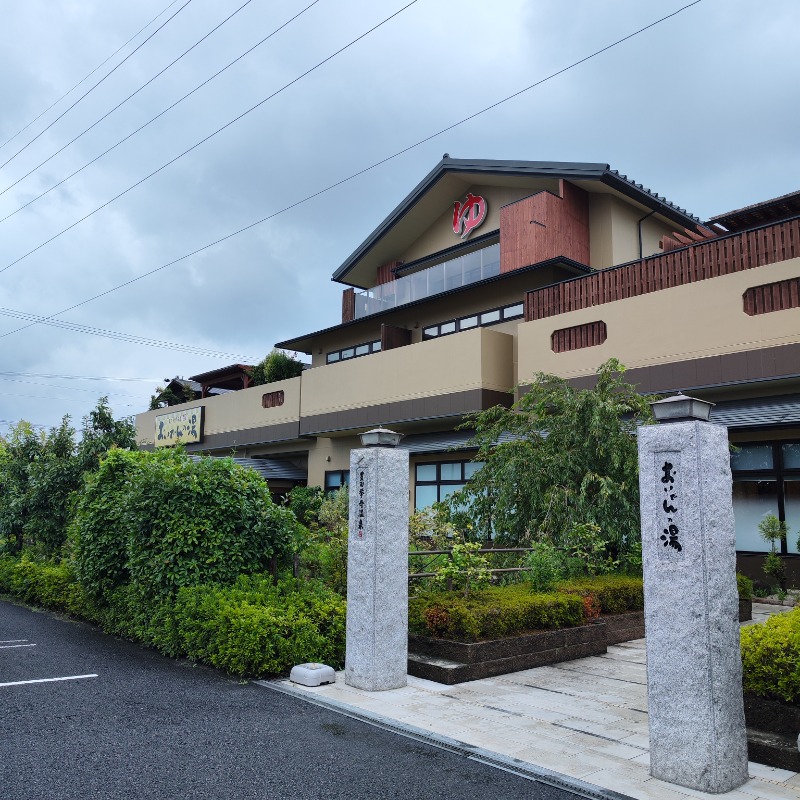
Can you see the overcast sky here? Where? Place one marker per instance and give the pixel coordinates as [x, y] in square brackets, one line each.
[702, 108]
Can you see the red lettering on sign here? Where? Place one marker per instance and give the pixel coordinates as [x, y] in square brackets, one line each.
[468, 215]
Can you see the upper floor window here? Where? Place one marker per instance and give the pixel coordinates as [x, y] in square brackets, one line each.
[355, 351]
[491, 317]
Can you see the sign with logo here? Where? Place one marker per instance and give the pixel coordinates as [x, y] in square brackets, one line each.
[184, 426]
[468, 215]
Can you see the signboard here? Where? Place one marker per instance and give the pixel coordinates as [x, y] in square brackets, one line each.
[468, 215]
[184, 426]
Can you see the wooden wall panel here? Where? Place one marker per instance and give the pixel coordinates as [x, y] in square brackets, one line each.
[777, 296]
[348, 305]
[590, 334]
[697, 262]
[545, 226]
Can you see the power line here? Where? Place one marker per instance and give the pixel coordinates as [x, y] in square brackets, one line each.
[66, 388]
[76, 400]
[76, 377]
[351, 177]
[210, 136]
[119, 105]
[89, 91]
[86, 77]
[119, 336]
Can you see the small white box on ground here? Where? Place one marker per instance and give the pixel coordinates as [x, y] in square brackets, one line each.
[312, 674]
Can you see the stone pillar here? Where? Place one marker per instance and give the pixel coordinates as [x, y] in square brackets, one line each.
[377, 569]
[694, 673]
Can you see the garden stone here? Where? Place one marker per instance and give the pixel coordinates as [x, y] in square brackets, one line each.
[377, 570]
[694, 673]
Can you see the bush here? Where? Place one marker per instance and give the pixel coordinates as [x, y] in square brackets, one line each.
[491, 613]
[615, 594]
[276, 366]
[771, 657]
[744, 586]
[162, 521]
[250, 628]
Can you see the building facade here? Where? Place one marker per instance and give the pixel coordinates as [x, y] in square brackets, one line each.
[491, 271]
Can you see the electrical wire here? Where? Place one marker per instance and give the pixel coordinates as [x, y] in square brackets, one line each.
[75, 377]
[89, 91]
[351, 177]
[119, 105]
[66, 388]
[125, 337]
[89, 75]
[210, 136]
[150, 121]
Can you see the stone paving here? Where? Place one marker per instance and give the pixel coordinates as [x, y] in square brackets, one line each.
[586, 719]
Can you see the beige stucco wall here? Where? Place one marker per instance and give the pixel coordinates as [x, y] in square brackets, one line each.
[234, 411]
[440, 236]
[481, 358]
[614, 231]
[679, 324]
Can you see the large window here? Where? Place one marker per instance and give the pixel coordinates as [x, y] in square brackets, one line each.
[766, 480]
[353, 352]
[436, 481]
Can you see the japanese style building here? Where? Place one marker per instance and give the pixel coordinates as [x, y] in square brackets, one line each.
[491, 271]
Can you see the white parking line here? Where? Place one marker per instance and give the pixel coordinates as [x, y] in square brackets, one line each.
[9, 646]
[11, 641]
[49, 680]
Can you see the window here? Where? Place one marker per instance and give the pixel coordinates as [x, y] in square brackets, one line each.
[336, 479]
[435, 482]
[491, 317]
[766, 480]
[353, 352]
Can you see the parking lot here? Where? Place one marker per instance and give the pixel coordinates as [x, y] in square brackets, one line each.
[85, 715]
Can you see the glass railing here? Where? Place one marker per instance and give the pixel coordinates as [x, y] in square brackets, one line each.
[461, 271]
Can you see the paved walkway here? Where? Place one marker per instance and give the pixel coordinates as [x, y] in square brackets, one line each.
[585, 719]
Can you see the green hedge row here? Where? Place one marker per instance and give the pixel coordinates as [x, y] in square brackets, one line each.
[615, 594]
[250, 628]
[491, 613]
[771, 657]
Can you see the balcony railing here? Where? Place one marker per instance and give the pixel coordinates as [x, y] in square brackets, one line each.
[452, 274]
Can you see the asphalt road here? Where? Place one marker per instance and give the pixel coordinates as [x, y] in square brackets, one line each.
[150, 727]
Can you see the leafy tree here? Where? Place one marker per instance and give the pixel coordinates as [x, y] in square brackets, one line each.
[559, 458]
[22, 448]
[772, 530]
[53, 477]
[164, 397]
[276, 366]
[101, 432]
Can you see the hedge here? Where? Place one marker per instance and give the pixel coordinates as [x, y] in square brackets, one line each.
[771, 657]
[250, 628]
[491, 613]
[615, 594]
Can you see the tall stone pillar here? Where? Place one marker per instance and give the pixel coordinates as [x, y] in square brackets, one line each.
[694, 673]
[377, 565]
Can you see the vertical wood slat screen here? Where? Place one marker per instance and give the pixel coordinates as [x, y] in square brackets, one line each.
[588, 335]
[697, 262]
[768, 297]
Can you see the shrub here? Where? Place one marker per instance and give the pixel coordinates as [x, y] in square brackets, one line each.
[546, 566]
[492, 613]
[162, 521]
[276, 366]
[250, 628]
[771, 657]
[615, 594]
[744, 586]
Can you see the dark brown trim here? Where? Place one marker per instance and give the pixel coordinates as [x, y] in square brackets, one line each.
[590, 334]
[777, 296]
[267, 434]
[348, 305]
[697, 262]
[455, 404]
[393, 336]
[768, 363]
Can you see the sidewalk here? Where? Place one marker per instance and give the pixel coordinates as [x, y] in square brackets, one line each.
[584, 719]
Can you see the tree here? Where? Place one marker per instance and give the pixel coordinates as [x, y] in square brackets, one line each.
[277, 366]
[101, 432]
[21, 449]
[558, 459]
